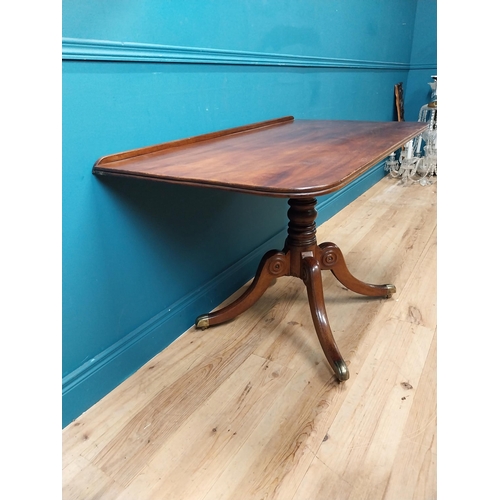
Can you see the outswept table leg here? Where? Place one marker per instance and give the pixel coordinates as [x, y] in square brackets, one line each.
[311, 275]
[332, 259]
[273, 265]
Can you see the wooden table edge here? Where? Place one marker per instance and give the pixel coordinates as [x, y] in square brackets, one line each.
[100, 168]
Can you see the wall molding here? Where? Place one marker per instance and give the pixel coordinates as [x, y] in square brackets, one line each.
[95, 378]
[422, 66]
[76, 49]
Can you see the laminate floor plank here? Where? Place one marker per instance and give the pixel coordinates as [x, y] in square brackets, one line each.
[142, 436]
[417, 302]
[361, 444]
[414, 475]
[277, 453]
[84, 481]
[210, 437]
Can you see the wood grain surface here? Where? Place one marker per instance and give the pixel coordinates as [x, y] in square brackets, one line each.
[279, 158]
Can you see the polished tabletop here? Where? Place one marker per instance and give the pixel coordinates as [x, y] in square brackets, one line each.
[280, 158]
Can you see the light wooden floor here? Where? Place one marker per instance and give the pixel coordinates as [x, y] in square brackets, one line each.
[250, 409]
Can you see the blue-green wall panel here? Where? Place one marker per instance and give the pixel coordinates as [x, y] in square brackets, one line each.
[424, 46]
[423, 58]
[142, 259]
[356, 29]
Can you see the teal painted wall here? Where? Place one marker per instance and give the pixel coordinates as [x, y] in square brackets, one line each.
[423, 59]
[142, 260]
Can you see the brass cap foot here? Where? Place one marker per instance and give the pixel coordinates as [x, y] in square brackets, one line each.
[202, 322]
[391, 290]
[340, 369]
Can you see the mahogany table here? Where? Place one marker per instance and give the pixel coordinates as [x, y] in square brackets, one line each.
[294, 159]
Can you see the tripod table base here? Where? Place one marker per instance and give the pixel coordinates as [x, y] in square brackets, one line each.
[303, 258]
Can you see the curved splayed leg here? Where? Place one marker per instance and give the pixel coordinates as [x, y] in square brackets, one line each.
[311, 275]
[332, 259]
[273, 265]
